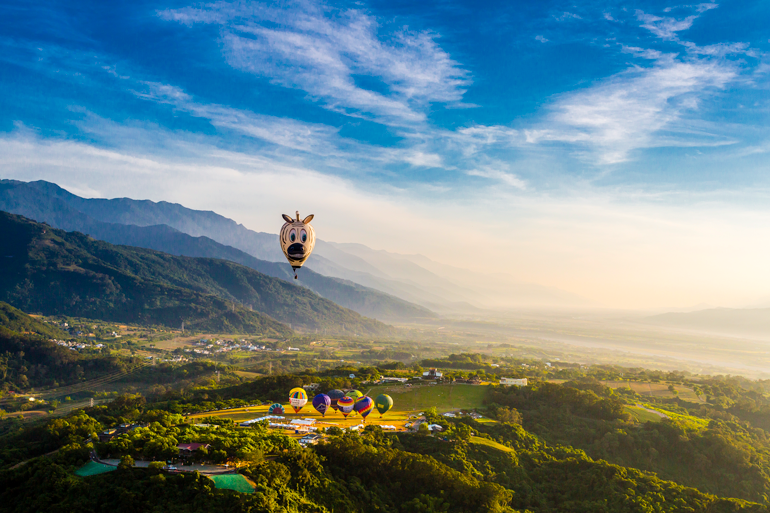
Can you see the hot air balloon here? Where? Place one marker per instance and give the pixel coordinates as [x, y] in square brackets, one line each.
[383, 403]
[297, 240]
[275, 409]
[297, 398]
[321, 403]
[346, 405]
[364, 406]
[335, 395]
[355, 394]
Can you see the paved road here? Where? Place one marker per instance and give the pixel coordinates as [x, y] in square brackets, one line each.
[203, 469]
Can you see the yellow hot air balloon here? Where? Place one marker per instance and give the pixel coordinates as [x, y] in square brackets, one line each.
[297, 398]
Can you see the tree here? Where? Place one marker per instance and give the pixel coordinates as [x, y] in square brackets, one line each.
[126, 462]
[506, 414]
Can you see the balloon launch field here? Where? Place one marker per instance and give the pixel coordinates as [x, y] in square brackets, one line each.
[407, 401]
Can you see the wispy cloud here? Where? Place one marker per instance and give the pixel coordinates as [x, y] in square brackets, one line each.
[667, 27]
[623, 113]
[642, 106]
[499, 175]
[327, 52]
[290, 133]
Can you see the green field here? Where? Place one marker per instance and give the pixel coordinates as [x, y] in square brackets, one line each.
[490, 443]
[442, 397]
[93, 468]
[641, 415]
[234, 482]
[407, 401]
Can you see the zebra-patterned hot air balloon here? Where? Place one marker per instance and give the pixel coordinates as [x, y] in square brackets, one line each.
[297, 240]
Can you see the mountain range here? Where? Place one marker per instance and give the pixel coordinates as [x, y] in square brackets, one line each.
[45, 202]
[55, 272]
[411, 278]
[751, 322]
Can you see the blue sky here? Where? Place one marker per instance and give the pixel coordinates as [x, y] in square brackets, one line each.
[633, 133]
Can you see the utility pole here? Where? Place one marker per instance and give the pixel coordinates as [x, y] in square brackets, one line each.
[217, 376]
[92, 402]
[182, 327]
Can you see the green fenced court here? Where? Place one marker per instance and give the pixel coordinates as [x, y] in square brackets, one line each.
[234, 482]
[93, 468]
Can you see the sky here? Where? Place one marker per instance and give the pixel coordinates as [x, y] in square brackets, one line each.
[615, 150]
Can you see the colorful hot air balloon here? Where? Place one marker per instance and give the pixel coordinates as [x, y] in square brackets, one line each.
[297, 240]
[321, 403]
[297, 398]
[383, 403]
[355, 394]
[364, 406]
[276, 409]
[346, 405]
[335, 395]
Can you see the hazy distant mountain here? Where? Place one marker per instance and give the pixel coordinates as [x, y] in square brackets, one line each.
[55, 272]
[493, 290]
[728, 321]
[412, 278]
[46, 203]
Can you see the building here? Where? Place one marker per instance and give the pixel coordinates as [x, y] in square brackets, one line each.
[387, 379]
[310, 439]
[187, 450]
[109, 434]
[432, 374]
[513, 381]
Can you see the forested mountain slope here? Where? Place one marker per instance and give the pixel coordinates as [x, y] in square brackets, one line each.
[50, 204]
[54, 272]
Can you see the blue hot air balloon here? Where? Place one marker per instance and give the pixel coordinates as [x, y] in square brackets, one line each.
[321, 403]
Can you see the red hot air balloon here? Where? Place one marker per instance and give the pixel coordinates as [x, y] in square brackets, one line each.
[346, 405]
[321, 403]
[364, 406]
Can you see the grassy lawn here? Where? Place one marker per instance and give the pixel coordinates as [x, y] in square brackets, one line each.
[407, 401]
[642, 415]
[490, 443]
[443, 397]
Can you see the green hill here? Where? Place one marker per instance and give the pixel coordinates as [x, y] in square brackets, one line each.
[14, 320]
[54, 272]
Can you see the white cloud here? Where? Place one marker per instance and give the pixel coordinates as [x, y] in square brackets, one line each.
[623, 113]
[644, 107]
[664, 27]
[541, 39]
[566, 16]
[498, 175]
[324, 51]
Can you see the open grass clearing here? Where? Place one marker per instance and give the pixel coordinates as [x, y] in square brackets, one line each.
[642, 415]
[490, 443]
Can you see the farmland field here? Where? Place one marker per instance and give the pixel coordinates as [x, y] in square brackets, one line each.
[406, 402]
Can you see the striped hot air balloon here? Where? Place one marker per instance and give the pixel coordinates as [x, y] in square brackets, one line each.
[276, 409]
[335, 395]
[297, 398]
[346, 405]
[364, 406]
